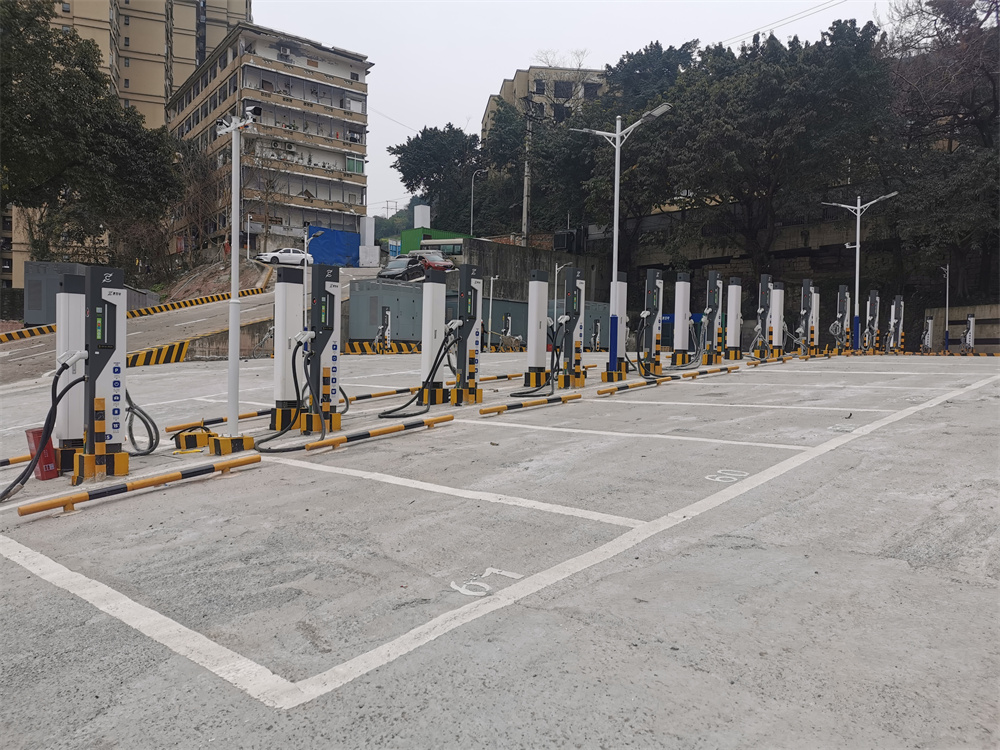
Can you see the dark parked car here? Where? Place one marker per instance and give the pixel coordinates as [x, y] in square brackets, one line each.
[403, 268]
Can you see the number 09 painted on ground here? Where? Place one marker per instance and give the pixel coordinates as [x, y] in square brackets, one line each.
[727, 475]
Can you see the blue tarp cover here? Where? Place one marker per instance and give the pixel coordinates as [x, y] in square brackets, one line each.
[334, 247]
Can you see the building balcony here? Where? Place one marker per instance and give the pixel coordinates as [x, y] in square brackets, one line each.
[300, 136]
[303, 105]
[315, 170]
[302, 202]
[307, 73]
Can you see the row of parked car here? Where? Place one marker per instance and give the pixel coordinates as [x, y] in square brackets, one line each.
[414, 266]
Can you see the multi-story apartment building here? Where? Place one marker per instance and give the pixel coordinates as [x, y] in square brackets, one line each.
[546, 92]
[303, 161]
[148, 48]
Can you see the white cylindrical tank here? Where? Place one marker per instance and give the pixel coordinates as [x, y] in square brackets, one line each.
[682, 311]
[734, 313]
[538, 288]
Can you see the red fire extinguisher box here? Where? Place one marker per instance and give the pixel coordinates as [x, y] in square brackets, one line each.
[46, 466]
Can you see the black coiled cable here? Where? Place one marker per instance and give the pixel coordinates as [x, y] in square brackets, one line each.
[50, 422]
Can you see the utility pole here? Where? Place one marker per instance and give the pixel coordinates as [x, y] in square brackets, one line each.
[525, 203]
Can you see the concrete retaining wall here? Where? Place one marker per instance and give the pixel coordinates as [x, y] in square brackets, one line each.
[987, 327]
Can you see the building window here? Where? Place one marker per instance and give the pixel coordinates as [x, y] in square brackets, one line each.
[126, 83]
[67, 29]
[8, 223]
[356, 165]
[355, 76]
[8, 265]
[590, 90]
[126, 61]
[126, 41]
[65, 7]
[559, 112]
[564, 89]
[128, 20]
[127, 103]
[539, 86]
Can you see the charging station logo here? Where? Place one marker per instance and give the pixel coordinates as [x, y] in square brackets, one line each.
[107, 278]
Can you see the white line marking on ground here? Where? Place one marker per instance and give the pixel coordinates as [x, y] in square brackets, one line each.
[275, 691]
[830, 385]
[607, 433]
[245, 674]
[489, 497]
[190, 322]
[30, 356]
[738, 406]
[863, 372]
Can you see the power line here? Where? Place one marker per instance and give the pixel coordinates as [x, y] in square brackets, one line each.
[370, 109]
[826, 5]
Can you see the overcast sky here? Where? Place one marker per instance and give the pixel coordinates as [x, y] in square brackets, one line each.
[438, 62]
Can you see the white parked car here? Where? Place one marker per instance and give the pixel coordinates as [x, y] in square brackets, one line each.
[292, 256]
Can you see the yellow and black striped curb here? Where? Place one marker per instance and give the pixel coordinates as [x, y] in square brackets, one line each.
[26, 333]
[165, 354]
[527, 404]
[366, 347]
[378, 432]
[175, 351]
[68, 502]
[194, 302]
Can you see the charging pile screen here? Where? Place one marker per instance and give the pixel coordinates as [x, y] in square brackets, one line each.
[99, 322]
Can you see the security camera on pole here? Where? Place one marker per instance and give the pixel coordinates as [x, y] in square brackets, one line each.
[232, 442]
[616, 350]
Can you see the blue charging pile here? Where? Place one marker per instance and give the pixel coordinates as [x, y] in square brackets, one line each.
[574, 299]
[711, 322]
[649, 332]
[306, 344]
[840, 328]
[870, 334]
[894, 333]
[469, 337]
[618, 365]
[438, 338]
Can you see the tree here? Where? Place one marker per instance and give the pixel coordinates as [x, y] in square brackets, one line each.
[640, 78]
[86, 166]
[944, 154]
[757, 137]
[438, 164]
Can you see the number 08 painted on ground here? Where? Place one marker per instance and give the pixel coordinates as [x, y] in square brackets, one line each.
[727, 475]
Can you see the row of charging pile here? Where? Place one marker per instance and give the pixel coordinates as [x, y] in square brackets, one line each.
[91, 414]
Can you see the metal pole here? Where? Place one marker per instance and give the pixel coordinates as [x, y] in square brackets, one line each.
[489, 333]
[248, 235]
[233, 410]
[947, 300]
[472, 204]
[613, 318]
[857, 277]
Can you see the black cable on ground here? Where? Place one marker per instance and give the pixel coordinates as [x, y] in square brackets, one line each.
[550, 383]
[50, 421]
[152, 431]
[298, 409]
[449, 340]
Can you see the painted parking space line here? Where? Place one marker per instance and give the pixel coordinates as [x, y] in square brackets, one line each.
[643, 435]
[831, 385]
[190, 322]
[273, 690]
[440, 489]
[740, 406]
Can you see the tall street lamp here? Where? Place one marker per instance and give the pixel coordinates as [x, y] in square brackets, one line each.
[857, 211]
[946, 268]
[616, 139]
[472, 199]
[235, 125]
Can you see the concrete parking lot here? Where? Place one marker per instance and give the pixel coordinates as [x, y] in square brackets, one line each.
[798, 555]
